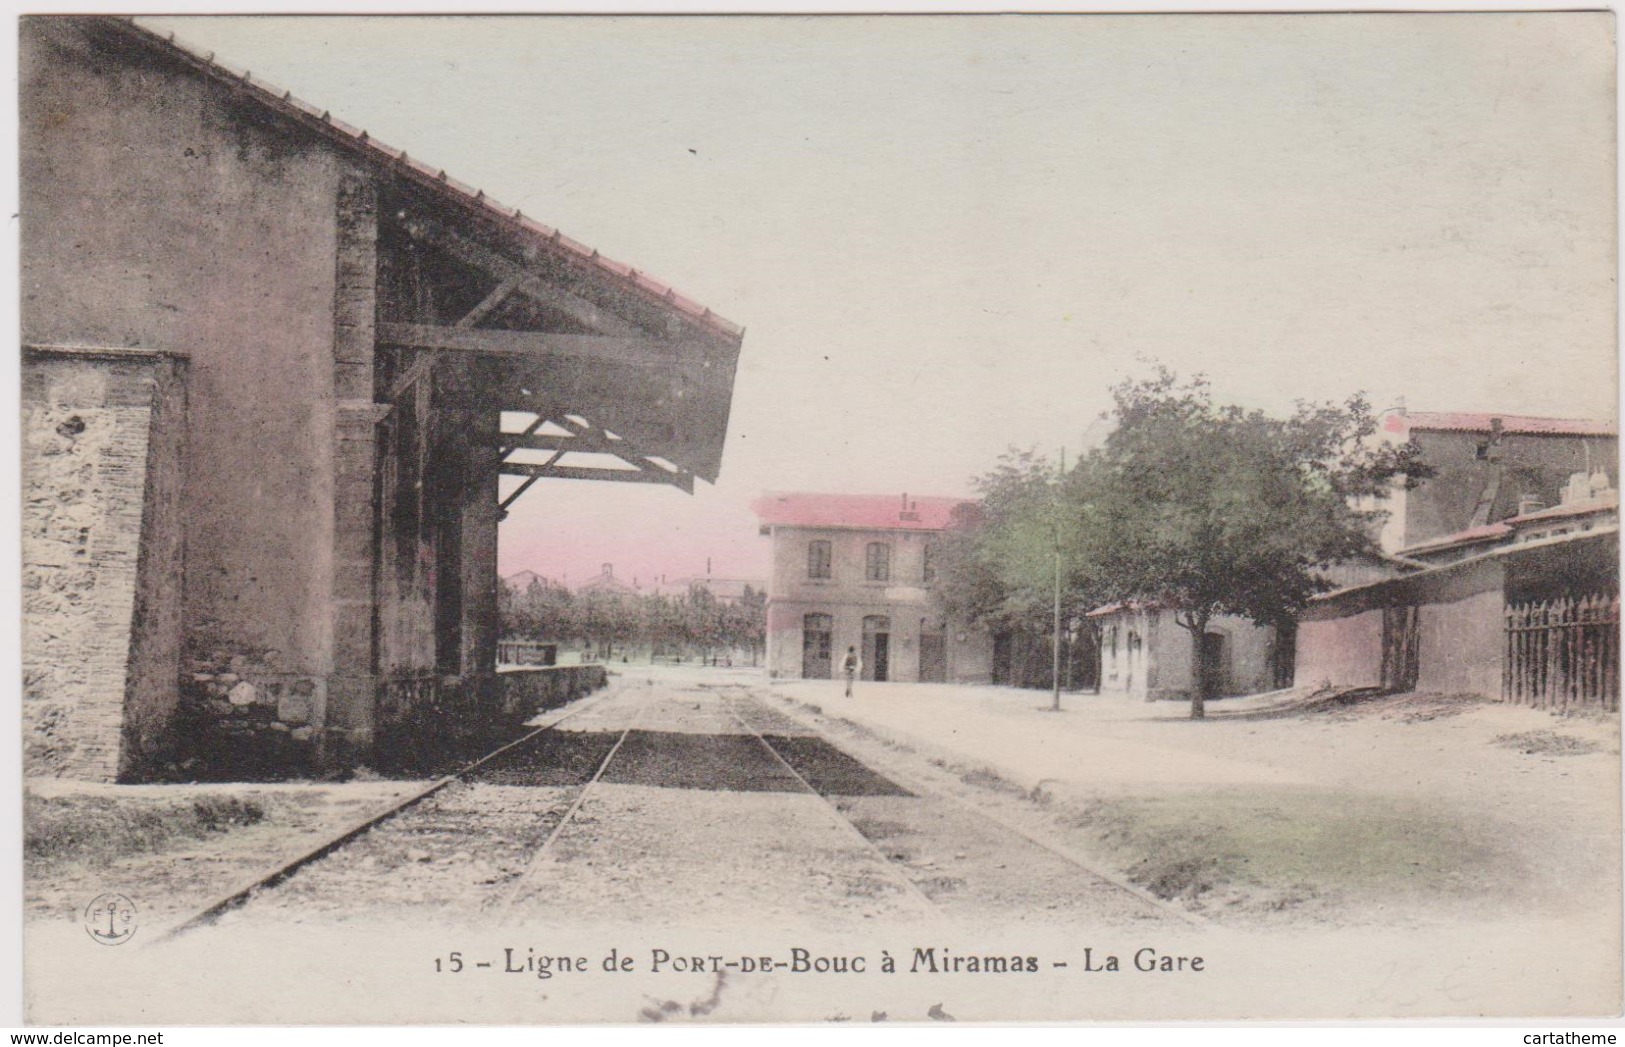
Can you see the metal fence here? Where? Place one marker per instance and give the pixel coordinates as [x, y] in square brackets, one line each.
[1563, 653]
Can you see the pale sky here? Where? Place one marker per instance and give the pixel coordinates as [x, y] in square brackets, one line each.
[947, 236]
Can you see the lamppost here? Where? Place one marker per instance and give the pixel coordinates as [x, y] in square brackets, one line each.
[1055, 643]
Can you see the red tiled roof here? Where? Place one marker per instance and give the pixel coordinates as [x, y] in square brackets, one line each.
[1484, 533]
[1464, 422]
[869, 512]
[1604, 501]
[541, 236]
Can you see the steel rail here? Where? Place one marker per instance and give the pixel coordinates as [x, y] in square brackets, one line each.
[915, 785]
[236, 899]
[909, 886]
[523, 882]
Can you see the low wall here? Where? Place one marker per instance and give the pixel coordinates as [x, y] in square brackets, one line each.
[1342, 652]
[1462, 645]
[522, 693]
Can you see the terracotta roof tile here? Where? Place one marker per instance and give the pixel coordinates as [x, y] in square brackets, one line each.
[867, 512]
[1467, 422]
[1602, 503]
[1484, 533]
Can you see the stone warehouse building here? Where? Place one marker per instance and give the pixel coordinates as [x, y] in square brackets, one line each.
[1488, 467]
[274, 373]
[857, 571]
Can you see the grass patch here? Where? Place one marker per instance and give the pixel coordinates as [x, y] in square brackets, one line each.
[106, 828]
[1546, 743]
[1271, 848]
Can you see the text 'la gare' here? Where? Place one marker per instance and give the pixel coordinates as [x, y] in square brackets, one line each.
[1146, 959]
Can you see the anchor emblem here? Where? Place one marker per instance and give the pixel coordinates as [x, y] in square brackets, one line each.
[110, 919]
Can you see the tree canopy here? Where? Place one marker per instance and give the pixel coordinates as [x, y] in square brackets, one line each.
[695, 621]
[1194, 507]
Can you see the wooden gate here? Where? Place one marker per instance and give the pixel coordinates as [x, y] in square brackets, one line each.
[1401, 648]
[1562, 653]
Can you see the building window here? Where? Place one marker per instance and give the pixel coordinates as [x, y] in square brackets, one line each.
[818, 559]
[877, 562]
[928, 562]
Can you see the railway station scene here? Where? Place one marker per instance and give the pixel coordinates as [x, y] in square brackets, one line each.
[912, 618]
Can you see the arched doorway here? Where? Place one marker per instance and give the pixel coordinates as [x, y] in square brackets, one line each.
[876, 646]
[816, 663]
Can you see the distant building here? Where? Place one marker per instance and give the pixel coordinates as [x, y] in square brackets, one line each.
[1586, 506]
[724, 590]
[1489, 468]
[606, 582]
[857, 571]
[1145, 654]
[1525, 609]
[523, 580]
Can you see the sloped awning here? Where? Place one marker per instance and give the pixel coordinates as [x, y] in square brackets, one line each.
[597, 376]
[592, 407]
[608, 373]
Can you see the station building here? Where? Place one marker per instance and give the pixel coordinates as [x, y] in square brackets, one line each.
[857, 571]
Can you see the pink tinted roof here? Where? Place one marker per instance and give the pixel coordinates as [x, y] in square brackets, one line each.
[856, 511]
[1465, 422]
[1602, 503]
[1484, 533]
[1605, 502]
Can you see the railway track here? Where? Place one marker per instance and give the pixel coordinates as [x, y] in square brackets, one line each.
[919, 787]
[723, 744]
[1071, 857]
[284, 870]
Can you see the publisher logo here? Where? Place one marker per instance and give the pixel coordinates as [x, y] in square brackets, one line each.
[110, 919]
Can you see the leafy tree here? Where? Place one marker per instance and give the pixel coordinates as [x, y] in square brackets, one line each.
[997, 563]
[1205, 509]
[744, 622]
[541, 611]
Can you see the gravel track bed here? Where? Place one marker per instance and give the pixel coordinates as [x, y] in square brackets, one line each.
[640, 853]
[455, 855]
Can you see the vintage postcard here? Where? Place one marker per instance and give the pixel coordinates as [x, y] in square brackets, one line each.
[541, 520]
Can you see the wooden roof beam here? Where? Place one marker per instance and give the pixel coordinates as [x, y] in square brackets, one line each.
[627, 352]
[618, 445]
[491, 302]
[530, 283]
[652, 475]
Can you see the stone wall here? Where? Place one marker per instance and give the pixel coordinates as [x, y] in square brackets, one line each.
[163, 211]
[526, 692]
[101, 432]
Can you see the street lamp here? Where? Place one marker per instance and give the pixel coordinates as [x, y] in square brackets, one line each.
[1055, 642]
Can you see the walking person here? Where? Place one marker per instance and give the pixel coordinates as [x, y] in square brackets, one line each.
[851, 665]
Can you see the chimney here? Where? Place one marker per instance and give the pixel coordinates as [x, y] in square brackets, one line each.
[1530, 503]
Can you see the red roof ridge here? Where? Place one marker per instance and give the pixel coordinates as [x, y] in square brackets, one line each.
[857, 511]
[434, 178]
[1480, 421]
[1601, 503]
[1481, 533]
